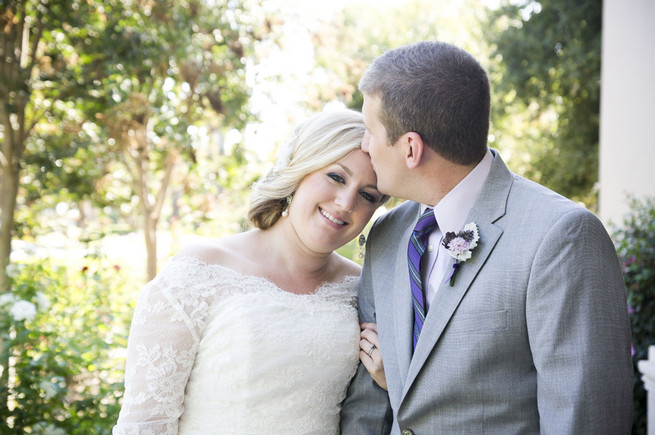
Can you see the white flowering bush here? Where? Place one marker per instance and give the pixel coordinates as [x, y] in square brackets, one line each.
[23, 310]
[66, 329]
[635, 244]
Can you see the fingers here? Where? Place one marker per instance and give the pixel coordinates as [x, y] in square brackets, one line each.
[369, 341]
[370, 334]
[370, 354]
[367, 347]
[369, 325]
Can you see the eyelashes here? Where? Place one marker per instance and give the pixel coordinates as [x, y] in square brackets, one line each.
[336, 177]
[364, 194]
[370, 198]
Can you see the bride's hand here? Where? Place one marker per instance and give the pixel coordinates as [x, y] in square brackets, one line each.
[369, 353]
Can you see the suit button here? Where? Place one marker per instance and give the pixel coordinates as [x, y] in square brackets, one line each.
[408, 432]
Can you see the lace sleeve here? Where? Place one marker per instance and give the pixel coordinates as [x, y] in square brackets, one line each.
[161, 349]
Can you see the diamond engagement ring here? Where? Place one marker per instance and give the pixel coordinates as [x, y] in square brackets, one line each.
[370, 350]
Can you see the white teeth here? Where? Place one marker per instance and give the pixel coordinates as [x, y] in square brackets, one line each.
[332, 218]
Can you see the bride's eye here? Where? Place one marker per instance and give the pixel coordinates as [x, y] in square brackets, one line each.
[369, 197]
[336, 177]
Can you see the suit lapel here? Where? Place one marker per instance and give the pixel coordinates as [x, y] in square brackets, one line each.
[448, 298]
[488, 208]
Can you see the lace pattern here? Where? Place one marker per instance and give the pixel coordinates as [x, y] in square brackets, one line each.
[250, 355]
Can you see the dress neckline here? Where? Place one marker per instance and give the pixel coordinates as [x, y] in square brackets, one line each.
[326, 285]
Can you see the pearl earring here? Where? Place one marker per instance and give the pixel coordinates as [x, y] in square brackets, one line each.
[285, 212]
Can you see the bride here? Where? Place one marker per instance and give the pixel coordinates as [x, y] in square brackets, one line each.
[257, 332]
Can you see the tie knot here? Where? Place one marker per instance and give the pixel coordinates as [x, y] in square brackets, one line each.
[426, 223]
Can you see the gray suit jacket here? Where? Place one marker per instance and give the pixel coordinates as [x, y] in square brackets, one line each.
[533, 337]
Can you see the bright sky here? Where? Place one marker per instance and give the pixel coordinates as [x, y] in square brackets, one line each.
[278, 104]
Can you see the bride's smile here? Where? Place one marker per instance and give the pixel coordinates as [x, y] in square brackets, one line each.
[332, 219]
[332, 205]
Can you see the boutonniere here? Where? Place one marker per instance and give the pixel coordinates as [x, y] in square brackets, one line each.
[460, 246]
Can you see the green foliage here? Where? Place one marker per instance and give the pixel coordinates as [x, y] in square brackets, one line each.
[635, 243]
[546, 87]
[64, 330]
[94, 85]
[345, 46]
[51, 88]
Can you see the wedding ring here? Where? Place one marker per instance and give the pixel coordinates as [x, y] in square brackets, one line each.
[370, 350]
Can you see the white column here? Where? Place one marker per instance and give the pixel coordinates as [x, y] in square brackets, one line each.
[647, 369]
[627, 106]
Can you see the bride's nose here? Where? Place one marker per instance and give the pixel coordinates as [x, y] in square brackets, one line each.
[345, 199]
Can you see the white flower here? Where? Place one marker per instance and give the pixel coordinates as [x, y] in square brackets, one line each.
[13, 269]
[461, 245]
[23, 310]
[47, 429]
[7, 298]
[42, 301]
[459, 249]
[48, 388]
[283, 158]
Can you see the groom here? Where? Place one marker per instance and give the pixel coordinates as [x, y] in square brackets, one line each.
[513, 318]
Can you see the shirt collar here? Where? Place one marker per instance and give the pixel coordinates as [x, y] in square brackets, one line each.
[452, 210]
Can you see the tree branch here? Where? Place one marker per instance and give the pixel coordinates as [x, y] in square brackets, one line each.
[161, 194]
[35, 46]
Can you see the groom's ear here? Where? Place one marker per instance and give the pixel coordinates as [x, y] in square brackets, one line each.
[414, 148]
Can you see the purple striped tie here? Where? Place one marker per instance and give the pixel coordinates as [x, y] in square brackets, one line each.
[417, 243]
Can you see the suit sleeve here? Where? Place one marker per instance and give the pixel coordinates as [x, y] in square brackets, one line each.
[579, 330]
[366, 409]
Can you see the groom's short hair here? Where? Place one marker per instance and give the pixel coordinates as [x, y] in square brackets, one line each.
[436, 90]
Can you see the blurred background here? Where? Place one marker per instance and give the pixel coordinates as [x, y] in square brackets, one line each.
[130, 128]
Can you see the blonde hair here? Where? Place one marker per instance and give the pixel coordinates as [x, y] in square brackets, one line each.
[319, 141]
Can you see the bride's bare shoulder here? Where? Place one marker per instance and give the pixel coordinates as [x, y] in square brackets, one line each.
[226, 251]
[346, 267]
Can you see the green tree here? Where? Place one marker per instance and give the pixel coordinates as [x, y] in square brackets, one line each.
[94, 89]
[346, 45]
[38, 62]
[75, 72]
[546, 81]
[163, 67]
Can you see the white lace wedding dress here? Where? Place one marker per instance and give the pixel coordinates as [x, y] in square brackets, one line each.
[215, 351]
